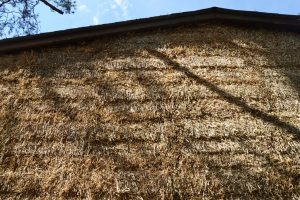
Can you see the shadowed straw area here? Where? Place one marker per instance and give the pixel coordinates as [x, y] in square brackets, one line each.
[194, 112]
[229, 97]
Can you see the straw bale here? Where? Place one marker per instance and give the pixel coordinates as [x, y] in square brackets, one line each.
[194, 112]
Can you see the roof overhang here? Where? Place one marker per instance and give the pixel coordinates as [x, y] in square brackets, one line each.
[244, 18]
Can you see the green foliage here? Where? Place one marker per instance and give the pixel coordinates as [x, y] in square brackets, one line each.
[19, 17]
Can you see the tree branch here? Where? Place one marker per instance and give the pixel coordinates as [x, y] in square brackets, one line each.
[4, 2]
[52, 7]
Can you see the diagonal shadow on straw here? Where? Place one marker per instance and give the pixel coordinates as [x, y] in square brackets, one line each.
[228, 97]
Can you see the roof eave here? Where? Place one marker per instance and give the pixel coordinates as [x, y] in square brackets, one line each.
[286, 22]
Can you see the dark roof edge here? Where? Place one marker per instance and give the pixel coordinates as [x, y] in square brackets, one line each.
[286, 22]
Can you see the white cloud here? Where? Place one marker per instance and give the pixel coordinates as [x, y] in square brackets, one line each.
[114, 10]
[82, 8]
[123, 7]
[95, 20]
[113, 6]
[119, 2]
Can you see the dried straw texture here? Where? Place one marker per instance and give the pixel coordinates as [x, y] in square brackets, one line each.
[203, 112]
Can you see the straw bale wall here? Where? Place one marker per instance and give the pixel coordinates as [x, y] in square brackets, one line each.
[195, 112]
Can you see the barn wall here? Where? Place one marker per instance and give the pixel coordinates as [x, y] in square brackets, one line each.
[206, 111]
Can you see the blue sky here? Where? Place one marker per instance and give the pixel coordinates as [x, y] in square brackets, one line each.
[92, 12]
